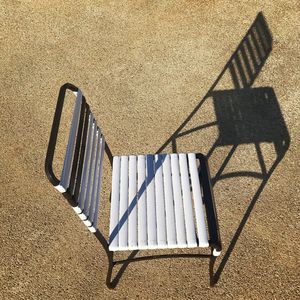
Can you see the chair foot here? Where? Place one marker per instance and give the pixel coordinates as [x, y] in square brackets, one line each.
[216, 253]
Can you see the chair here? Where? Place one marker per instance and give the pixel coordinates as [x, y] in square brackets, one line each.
[158, 201]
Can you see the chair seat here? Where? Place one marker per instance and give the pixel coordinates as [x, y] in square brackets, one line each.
[156, 202]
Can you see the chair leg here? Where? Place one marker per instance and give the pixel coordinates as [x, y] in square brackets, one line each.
[109, 283]
[110, 257]
[212, 280]
[216, 252]
[112, 283]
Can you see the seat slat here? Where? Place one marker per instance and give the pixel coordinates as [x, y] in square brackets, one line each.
[132, 218]
[141, 204]
[169, 204]
[156, 203]
[123, 212]
[151, 210]
[67, 166]
[86, 165]
[187, 201]
[160, 203]
[178, 204]
[90, 182]
[198, 203]
[115, 203]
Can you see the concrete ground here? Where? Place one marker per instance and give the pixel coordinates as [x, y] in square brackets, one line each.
[144, 66]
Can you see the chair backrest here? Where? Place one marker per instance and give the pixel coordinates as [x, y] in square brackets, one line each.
[81, 175]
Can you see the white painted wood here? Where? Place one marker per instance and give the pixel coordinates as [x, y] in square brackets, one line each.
[216, 253]
[123, 212]
[160, 202]
[132, 212]
[164, 214]
[60, 188]
[114, 206]
[87, 221]
[90, 183]
[169, 204]
[67, 167]
[187, 201]
[77, 209]
[92, 229]
[95, 179]
[97, 205]
[179, 215]
[151, 209]
[198, 202]
[86, 163]
[141, 204]
[82, 217]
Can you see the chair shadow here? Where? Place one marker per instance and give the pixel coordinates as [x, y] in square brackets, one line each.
[244, 115]
[248, 116]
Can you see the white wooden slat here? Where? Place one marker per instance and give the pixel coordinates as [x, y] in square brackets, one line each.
[132, 217]
[96, 212]
[114, 206]
[141, 204]
[169, 205]
[187, 201]
[86, 164]
[123, 212]
[151, 209]
[67, 167]
[95, 180]
[155, 190]
[90, 183]
[179, 215]
[198, 203]
[160, 203]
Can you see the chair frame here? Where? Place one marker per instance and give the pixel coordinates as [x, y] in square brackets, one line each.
[204, 174]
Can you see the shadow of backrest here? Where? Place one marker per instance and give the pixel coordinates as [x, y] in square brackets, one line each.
[250, 116]
[251, 54]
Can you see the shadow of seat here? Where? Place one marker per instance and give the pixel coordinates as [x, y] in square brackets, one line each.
[248, 116]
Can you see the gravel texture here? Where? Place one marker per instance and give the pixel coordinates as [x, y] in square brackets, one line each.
[144, 66]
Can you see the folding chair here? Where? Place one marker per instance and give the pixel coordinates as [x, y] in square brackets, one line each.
[158, 201]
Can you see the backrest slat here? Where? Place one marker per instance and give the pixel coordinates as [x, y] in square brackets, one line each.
[86, 164]
[67, 167]
[90, 183]
[79, 138]
[91, 175]
[81, 176]
[97, 199]
[95, 177]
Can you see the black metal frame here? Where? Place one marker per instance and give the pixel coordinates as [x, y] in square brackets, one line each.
[72, 192]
